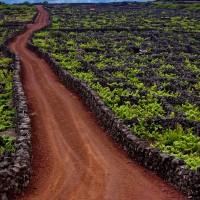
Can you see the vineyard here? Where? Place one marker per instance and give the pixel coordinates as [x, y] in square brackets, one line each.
[144, 62]
[12, 20]
[135, 66]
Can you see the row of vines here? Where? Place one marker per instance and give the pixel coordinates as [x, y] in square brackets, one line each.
[144, 62]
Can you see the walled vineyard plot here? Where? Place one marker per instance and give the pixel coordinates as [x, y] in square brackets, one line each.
[6, 108]
[144, 62]
[8, 26]
[15, 14]
[7, 112]
[12, 20]
[6, 32]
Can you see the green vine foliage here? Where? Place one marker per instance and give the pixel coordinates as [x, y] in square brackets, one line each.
[7, 112]
[7, 143]
[180, 143]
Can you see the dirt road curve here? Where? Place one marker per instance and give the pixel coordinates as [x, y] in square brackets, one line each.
[73, 158]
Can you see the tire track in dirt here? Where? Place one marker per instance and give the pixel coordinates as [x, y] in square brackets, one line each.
[73, 158]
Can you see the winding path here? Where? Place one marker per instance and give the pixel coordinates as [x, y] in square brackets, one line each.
[73, 158]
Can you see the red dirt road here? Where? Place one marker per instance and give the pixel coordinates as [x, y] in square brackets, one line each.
[73, 158]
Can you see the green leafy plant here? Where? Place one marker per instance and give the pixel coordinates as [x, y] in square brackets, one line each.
[191, 110]
[7, 144]
[182, 144]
